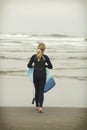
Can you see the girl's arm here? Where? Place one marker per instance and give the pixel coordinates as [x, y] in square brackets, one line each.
[30, 63]
[49, 64]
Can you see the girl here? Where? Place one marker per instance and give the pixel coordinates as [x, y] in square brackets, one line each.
[39, 61]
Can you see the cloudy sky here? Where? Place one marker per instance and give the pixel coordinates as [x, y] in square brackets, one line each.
[67, 17]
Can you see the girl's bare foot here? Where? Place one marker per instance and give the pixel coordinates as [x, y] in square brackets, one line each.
[40, 109]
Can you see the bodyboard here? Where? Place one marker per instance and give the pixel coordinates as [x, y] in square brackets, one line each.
[50, 82]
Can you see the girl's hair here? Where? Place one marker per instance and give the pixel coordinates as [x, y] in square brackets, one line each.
[41, 46]
[39, 55]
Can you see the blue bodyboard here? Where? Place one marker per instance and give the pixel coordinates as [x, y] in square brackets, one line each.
[50, 82]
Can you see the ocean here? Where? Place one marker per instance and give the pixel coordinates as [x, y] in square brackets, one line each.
[68, 55]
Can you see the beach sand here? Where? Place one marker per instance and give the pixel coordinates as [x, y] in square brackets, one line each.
[53, 118]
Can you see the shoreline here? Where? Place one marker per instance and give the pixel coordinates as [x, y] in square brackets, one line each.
[19, 91]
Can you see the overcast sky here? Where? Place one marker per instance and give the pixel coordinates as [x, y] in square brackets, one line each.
[67, 17]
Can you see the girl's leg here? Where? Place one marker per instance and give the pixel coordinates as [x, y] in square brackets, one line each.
[36, 84]
[41, 92]
[36, 96]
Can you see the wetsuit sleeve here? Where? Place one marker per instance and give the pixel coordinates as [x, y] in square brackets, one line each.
[48, 63]
[30, 63]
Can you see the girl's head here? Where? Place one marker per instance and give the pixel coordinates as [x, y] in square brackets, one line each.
[42, 47]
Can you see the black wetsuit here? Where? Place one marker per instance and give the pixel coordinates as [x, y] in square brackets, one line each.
[39, 76]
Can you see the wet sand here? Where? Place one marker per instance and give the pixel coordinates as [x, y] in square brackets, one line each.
[53, 118]
[19, 90]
